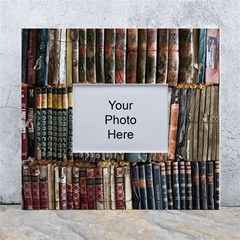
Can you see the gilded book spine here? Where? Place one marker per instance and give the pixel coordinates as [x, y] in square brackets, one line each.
[38, 123]
[210, 185]
[74, 36]
[149, 186]
[63, 188]
[49, 123]
[50, 182]
[76, 188]
[64, 123]
[100, 55]
[128, 188]
[157, 185]
[112, 188]
[189, 202]
[57, 48]
[70, 203]
[164, 185]
[83, 189]
[195, 186]
[27, 188]
[70, 126]
[182, 181]
[35, 176]
[196, 124]
[69, 57]
[91, 188]
[82, 55]
[176, 189]
[59, 125]
[54, 123]
[98, 173]
[44, 125]
[202, 185]
[44, 204]
[57, 187]
[120, 188]
[51, 57]
[143, 188]
[24, 120]
[169, 184]
[108, 199]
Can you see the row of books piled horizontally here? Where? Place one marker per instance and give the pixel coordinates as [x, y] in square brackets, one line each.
[165, 185]
[173, 56]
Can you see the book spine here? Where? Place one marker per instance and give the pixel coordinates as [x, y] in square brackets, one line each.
[108, 200]
[169, 185]
[173, 57]
[201, 56]
[38, 122]
[210, 185]
[162, 61]
[90, 188]
[149, 186]
[25, 33]
[51, 57]
[24, 128]
[210, 125]
[57, 187]
[50, 182]
[44, 125]
[195, 185]
[195, 55]
[98, 173]
[64, 123]
[151, 68]
[49, 123]
[202, 185]
[63, 188]
[62, 66]
[27, 188]
[143, 187]
[43, 185]
[132, 46]
[82, 55]
[100, 55]
[54, 123]
[128, 188]
[74, 36]
[176, 188]
[59, 125]
[120, 56]
[91, 56]
[57, 48]
[141, 55]
[189, 202]
[70, 126]
[70, 203]
[164, 185]
[69, 57]
[157, 185]
[135, 187]
[196, 124]
[112, 188]
[76, 187]
[35, 176]
[217, 184]
[120, 188]
[110, 39]
[182, 181]
[83, 189]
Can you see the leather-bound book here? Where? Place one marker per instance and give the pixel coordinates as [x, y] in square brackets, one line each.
[32, 51]
[176, 188]
[57, 187]
[164, 185]
[54, 123]
[74, 36]
[76, 188]
[63, 187]
[81, 157]
[210, 185]
[189, 196]
[90, 188]
[186, 55]
[35, 176]
[182, 182]
[43, 57]
[51, 57]
[27, 188]
[24, 121]
[119, 188]
[44, 125]
[157, 185]
[51, 200]
[173, 57]
[149, 186]
[110, 38]
[195, 186]
[151, 67]
[59, 124]
[128, 188]
[196, 125]
[108, 198]
[70, 203]
[64, 123]
[62, 66]
[24, 54]
[112, 188]
[203, 185]
[70, 126]
[195, 55]
[212, 56]
[38, 123]
[49, 123]
[92, 157]
[162, 57]
[169, 184]
[82, 55]
[100, 55]
[91, 56]
[217, 184]
[143, 187]
[210, 124]
[201, 55]
[43, 185]
[83, 188]
[98, 173]
[132, 46]
[135, 187]
[120, 56]
[56, 57]
[69, 57]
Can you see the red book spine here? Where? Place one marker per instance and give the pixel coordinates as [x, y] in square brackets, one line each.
[43, 187]
[99, 188]
[27, 188]
[76, 188]
[91, 188]
[63, 188]
[83, 189]
[119, 180]
[35, 174]
[24, 118]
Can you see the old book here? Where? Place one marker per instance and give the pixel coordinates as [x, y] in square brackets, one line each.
[91, 56]
[128, 188]
[83, 188]
[69, 57]
[57, 187]
[108, 199]
[27, 188]
[90, 180]
[74, 37]
[51, 183]
[196, 125]
[135, 187]
[70, 126]
[119, 188]
[54, 123]
[51, 56]
[151, 64]
[210, 125]
[110, 38]
[120, 56]
[44, 125]
[56, 57]
[203, 185]
[164, 185]
[38, 123]
[169, 184]
[49, 123]
[35, 176]
[24, 120]
[195, 55]
[210, 185]
[182, 182]
[143, 187]
[176, 188]
[70, 203]
[157, 185]
[81, 157]
[98, 174]
[63, 187]
[149, 186]
[132, 46]
[212, 56]
[195, 186]
[82, 55]
[186, 59]
[43, 186]
[76, 187]
[173, 57]
[100, 55]
[64, 123]
[189, 197]
[217, 184]
[59, 124]
[24, 54]
[201, 55]
[162, 55]
[63, 56]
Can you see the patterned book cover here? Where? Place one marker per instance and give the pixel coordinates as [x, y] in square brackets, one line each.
[169, 184]
[49, 123]
[164, 185]
[70, 126]
[74, 37]
[64, 123]
[59, 124]
[157, 185]
[70, 203]
[112, 188]
[98, 174]
[217, 184]
[108, 198]
[24, 120]
[90, 180]
[43, 186]
[63, 187]
[119, 188]
[83, 188]
[76, 187]
[189, 197]
[62, 66]
[38, 123]
[195, 186]
[128, 188]
[56, 58]
[203, 185]
[35, 180]
[54, 123]
[176, 188]
[51, 184]
[135, 187]
[100, 55]
[44, 125]
[149, 186]
[27, 188]
[25, 33]
[82, 55]
[143, 187]
[51, 56]
[57, 187]
[210, 185]
[182, 182]
[69, 57]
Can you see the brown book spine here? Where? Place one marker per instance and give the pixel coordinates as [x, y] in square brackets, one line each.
[27, 188]
[70, 203]
[24, 128]
[112, 188]
[98, 172]
[51, 190]
[189, 197]
[83, 188]
[57, 187]
[76, 187]
[82, 55]
[35, 176]
[196, 125]
[90, 188]
[51, 57]
[44, 204]
[100, 55]
[74, 36]
[63, 188]
[69, 57]
[119, 184]
[128, 188]
[57, 48]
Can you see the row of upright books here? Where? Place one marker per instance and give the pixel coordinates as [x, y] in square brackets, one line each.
[164, 185]
[172, 56]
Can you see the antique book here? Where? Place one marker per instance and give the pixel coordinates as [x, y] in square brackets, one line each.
[51, 56]
[132, 46]
[51, 200]
[63, 187]
[169, 184]
[44, 125]
[176, 188]
[189, 196]
[182, 183]
[83, 188]
[35, 181]
[54, 123]
[162, 55]
[100, 55]
[56, 58]
[90, 180]
[24, 54]
[120, 56]
[69, 57]
[70, 126]
[195, 186]
[143, 187]
[57, 187]
[135, 187]
[217, 184]
[108, 200]
[74, 37]
[27, 188]
[76, 187]
[196, 125]
[70, 203]
[64, 123]
[98, 173]
[202, 185]
[210, 185]
[49, 123]
[120, 188]
[24, 121]
[38, 123]
[157, 185]
[164, 185]
[59, 124]
[149, 186]
[82, 55]
[195, 55]
[62, 66]
[43, 186]
[128, 188]
[151, 64]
